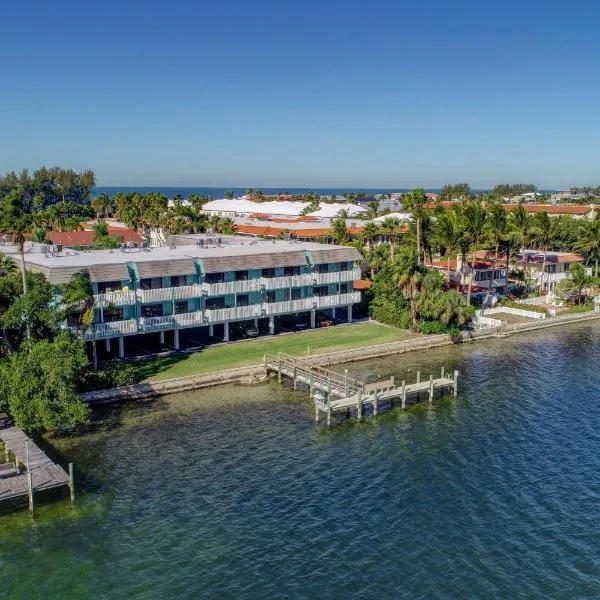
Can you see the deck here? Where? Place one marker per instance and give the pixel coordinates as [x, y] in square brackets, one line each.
[334, 392]
[27, 469]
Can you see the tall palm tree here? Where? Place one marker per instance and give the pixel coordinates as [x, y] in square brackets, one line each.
[589, 242]
[373, 209]
[415, 203]
[543, 231]
[391, 229]
[340, 231]
[409, 276]
[370, 233]
[101, 205]
[474, 223]
[497, 226]
[447, 233]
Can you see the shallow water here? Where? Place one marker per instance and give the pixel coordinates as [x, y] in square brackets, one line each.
[234, 492]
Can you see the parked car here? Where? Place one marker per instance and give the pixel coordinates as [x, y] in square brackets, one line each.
[326, 323]
[251, 332]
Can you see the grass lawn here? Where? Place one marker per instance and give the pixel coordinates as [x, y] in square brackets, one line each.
[249, 352]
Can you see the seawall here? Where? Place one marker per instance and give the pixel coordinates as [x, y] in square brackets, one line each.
[192, 382]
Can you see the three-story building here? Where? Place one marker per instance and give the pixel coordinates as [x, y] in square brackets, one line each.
[203, 281]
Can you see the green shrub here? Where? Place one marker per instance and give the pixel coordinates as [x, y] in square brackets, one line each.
[112, 374]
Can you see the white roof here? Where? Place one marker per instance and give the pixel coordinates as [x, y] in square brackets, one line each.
[330, 210]
[242, 206]
[395, 215]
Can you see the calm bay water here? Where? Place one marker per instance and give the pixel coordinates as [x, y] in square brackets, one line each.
[235, 493]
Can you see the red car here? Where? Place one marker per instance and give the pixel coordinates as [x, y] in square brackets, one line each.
[326, 323]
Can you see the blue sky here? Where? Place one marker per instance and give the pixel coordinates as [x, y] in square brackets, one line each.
[311, 93]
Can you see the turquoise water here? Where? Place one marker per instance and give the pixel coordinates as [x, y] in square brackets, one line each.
[234, 493]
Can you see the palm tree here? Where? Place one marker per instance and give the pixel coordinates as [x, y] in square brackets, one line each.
[447, 232]
[391, 228]
[474, 223]
[370, 233]
[409, 276]
[497, 226]
[101, 205]
[343, 214]
[589, 242]
[229, 195]
[543, 231]
[340, 231]
[373, 209]
[415, 203]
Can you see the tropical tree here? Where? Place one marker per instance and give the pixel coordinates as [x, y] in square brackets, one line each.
[448, 234]
[229, 195]
[372, 209]
[542, 235]
[588, 243]
[391, 228]
[101, 205]
[340, 231]
[415, 202]
[409, 274]
[497, 227]
[474, 218]
[370, 233]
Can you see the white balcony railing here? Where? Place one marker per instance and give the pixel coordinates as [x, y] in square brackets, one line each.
[117, 298]
[157, 323]
[218, 315]
[192, 319]
[338, 276]
[169, 293]
[287, 306]
[338, 300]
[112, 329]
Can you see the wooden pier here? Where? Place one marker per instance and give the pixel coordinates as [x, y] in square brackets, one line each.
[27, 469]
[338, 393]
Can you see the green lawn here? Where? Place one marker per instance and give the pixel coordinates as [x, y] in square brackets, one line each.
[249, 352]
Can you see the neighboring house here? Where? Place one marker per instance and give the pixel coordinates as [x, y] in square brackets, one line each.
[204, 283]
[70, 239]
[484, 275]
[577, 211]
[556, 268]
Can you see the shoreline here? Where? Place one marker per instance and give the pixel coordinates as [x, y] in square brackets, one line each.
[153, 389]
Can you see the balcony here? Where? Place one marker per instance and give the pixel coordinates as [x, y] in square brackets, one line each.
[156, 323]
[192, 319]
[169, 293]
[113, 329]
[326, 278]
[337, 300]
[117, 298]
[219, 315]
[276, 283]
[290, 306]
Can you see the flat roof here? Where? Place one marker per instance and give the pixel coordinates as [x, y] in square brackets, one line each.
[230, 246]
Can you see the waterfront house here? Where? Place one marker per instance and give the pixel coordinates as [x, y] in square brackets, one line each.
[556, 267]
[484, 275]
[202, 285]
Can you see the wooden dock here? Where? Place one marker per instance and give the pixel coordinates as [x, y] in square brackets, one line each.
[27, 469]
[337, 393]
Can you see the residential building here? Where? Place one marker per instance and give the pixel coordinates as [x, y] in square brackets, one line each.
[200, 285]
[483, 275]
[556, 267]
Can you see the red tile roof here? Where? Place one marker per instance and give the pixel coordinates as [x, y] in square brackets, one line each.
[86, 238]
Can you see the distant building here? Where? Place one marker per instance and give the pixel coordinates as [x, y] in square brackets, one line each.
[556, 268]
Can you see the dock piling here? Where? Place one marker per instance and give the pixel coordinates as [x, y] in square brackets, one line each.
[279, 367]
[455, 382]
[30, 491]
[359, 405]
[72, 481]
[418, 376]
[375, 403]
[442, 375]
[430, 388]
[403, 394]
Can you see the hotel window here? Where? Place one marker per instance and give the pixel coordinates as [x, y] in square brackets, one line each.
[286, 294]
[243, 300]
[268, 273]
[241, 275]
[346, 266]
[181, 307]
[152, 310]
[345, 288]
[151, 283]
[178, 280]
[320, 290]
[289, 271]
[270, 297]
[296, 293]
[214, 277]
[323, 268]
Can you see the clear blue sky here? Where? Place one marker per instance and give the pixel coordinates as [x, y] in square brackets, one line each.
[316, 93]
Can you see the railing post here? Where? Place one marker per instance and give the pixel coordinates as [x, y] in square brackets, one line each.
[30, 491]
[328, 402]
[418, 376]
[430, 388]
[455, 382]
[442, 375]
[375, 403]
[346, 383]
[359, 405]
[279, 367]
[403, 393]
